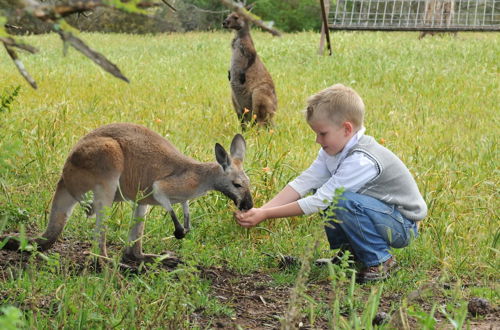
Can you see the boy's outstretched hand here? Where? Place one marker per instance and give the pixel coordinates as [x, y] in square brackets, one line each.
[251, 217]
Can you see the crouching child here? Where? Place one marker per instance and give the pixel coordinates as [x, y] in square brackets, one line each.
[380, 205]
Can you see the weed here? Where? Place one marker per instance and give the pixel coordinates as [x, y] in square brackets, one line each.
[7, 97]
[11, 318]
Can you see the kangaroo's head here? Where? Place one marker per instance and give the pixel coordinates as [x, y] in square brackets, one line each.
[234, 183]
[234, 21]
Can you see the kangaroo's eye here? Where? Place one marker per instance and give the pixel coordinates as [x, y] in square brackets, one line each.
[237, 185]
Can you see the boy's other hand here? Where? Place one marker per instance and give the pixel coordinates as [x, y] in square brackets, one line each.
[250, 218]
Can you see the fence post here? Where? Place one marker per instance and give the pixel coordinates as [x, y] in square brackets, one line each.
[325, 8]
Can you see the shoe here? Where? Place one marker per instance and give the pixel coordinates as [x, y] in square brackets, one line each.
[337, 260]
[377, 273]
[285, 262]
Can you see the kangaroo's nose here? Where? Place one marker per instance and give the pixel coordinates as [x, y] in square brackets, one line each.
[246, 203]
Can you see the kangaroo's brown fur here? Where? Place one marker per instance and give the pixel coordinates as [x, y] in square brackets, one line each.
[252, 87]
[438, 13]
[127, 161]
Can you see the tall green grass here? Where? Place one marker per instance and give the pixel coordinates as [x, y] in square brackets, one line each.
[434, 102]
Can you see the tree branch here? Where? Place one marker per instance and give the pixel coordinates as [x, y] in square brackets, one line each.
[98, 58]
[10, 42]
[54, 13]
[46, 12]
[20, 66]
[169, 5]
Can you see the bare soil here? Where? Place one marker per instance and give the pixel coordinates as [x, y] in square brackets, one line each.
[256, 301]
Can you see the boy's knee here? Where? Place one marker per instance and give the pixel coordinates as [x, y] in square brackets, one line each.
[348, 196]
[346, 202]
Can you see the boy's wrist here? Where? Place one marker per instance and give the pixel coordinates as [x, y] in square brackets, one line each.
[265, 214]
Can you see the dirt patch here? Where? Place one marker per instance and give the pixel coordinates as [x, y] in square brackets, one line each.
[73, 251]
[256, 304]
[256, 301]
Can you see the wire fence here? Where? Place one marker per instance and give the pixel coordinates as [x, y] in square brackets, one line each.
[415, 15]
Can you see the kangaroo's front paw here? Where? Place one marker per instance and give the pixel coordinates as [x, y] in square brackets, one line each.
[180, 233]
[242, 78]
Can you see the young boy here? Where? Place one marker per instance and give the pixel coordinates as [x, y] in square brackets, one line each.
[381, 203]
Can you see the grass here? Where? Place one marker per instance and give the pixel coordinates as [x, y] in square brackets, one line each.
[434, 102]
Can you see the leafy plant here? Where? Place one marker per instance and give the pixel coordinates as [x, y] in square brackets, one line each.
[14, 214]
[11, 318]
[7, 97]
[457, 316]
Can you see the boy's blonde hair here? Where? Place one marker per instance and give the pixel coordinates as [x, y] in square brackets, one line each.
[337, 103]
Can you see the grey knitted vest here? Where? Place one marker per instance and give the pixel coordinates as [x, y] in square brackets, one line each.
[394, 183]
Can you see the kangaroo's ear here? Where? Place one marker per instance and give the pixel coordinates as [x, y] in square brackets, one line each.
[222, 156]
[238, 147]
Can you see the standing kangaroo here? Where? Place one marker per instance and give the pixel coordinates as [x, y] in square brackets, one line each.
[251, 84]
[438, 13]
[126, 161]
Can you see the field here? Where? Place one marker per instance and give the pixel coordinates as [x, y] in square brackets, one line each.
[434, 102]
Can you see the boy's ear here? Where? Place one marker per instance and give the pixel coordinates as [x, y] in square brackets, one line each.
[348, 127]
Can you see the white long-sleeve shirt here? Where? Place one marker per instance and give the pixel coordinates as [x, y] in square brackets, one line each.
[328, 173]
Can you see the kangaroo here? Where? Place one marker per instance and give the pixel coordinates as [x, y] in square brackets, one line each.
[251, 84]
[438, 13]
[124, 161]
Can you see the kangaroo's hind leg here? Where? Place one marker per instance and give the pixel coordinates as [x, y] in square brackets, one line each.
[62, 206]
[244, 114]
[264, 106]
[96, 164]
[134, 250]
[104, 194]
[103, 200]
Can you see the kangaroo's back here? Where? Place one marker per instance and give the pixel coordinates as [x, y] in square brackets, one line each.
[134, 138]
[137, 155]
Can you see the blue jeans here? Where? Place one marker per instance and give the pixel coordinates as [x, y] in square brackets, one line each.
[368, 227]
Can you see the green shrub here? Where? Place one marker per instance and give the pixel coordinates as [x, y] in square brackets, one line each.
[287, 15]
[290, 15]
[7, 97]
[11, 318]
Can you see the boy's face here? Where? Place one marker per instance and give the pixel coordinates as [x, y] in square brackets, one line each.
[330, 136]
